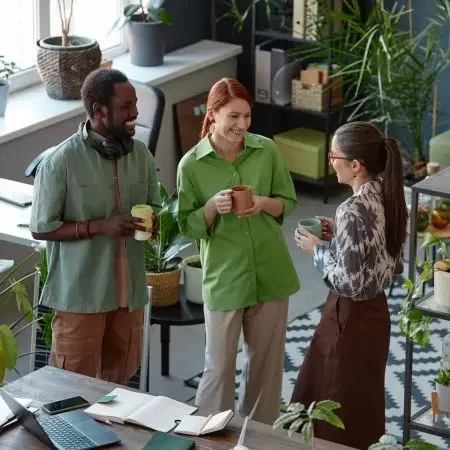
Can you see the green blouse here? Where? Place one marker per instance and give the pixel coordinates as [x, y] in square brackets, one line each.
[245, 261]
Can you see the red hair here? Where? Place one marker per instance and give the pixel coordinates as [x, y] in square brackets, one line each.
[220, 94]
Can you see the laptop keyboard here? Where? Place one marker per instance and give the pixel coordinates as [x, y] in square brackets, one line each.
[64, 434]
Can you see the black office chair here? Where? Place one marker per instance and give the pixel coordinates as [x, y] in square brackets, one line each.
[151, 104]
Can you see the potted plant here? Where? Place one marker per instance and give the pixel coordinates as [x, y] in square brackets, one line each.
[7, 68]
[443, 389]
[146, 30]
[413, 323]
[162, 256]
[388, 442]
[274, 9]
[15, 289]
[300, 417]
[389, 74]
[63, 62]
[193, 278]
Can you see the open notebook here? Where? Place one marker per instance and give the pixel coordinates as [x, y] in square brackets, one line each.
[5, 412]
[198, 425]
[155, 412]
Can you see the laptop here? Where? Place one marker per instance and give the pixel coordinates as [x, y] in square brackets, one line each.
[72, 430]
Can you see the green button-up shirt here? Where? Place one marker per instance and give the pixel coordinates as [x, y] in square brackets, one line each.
[73, 184]
[245, 261]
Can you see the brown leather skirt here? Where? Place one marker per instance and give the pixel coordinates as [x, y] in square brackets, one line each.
[346, 362]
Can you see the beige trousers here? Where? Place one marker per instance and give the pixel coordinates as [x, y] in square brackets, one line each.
[264, 332]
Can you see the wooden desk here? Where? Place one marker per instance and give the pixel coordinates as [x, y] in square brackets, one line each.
[50, 384]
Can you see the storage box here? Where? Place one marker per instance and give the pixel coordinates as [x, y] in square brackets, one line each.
[304, 151]
[315, 96]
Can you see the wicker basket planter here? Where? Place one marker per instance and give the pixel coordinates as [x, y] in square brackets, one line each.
[165, 287]
[64, 69]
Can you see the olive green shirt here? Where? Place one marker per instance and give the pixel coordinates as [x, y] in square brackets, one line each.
[74, 183]
[245, 261]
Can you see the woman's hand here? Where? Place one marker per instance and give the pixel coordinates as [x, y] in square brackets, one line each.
[222, 201]
[327, 227]
[305, 240]
[256, 209]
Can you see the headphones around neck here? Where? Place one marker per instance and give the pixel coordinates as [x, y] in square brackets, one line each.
[107, 149]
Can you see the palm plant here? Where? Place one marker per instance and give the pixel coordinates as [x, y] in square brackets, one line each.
[389, 74]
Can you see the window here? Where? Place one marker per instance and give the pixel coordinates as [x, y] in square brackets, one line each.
[29, 20]
[91, 18]
[17, 32]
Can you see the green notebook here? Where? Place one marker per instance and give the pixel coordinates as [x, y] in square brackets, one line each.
[162, 441]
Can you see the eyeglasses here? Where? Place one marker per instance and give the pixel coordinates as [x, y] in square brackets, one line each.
[332, 157]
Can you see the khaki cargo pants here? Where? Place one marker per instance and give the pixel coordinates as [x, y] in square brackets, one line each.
[104, 345]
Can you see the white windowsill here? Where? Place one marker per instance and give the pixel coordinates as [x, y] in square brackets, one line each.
[32, 109]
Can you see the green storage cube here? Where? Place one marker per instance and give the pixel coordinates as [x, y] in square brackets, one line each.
[440, 149]
[303, 151]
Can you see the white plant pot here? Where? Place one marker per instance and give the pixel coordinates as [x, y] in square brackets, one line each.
[442, 288]
[4, 88]
[193, 278]
[443, 394]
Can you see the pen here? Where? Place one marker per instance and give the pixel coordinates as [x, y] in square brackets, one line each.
[98, 419]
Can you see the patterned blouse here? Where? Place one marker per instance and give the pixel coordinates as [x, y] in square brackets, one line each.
[356, 263]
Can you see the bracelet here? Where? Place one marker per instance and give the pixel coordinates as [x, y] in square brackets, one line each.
[88, 233]
[76, 230]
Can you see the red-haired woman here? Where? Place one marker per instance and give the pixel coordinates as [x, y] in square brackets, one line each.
[248, 274]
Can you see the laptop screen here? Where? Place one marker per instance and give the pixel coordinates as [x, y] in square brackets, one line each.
[26, 418]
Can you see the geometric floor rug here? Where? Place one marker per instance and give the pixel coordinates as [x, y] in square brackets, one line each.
[426, 364]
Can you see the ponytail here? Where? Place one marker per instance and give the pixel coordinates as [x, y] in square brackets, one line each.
[205, 126]
[395, 211]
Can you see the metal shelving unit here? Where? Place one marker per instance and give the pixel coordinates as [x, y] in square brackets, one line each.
[439, 186]
[329, 119]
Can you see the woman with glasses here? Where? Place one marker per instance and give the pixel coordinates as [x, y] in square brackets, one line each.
[357, 257]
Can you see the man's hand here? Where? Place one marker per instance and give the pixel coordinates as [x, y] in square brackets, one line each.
[155, 227]
[120, 225]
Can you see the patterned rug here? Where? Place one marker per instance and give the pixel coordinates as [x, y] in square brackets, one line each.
[426, 364]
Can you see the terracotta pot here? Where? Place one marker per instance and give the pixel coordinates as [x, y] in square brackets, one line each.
[242, 198]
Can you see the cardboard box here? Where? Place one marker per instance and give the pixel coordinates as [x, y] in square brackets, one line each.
[311, 76]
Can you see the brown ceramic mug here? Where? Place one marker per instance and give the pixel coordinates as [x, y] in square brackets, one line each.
[242, 198]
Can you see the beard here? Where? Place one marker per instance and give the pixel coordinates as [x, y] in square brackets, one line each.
[118, 132]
